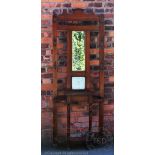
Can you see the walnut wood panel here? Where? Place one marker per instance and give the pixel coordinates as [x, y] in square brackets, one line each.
[78, 15]
[78, 73]
[77, 28]
[47, 87]
[88, 60]
[69, 58]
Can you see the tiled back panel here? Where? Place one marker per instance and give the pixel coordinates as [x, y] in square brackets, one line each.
[94, 59]
[61, 59]
[61, 47]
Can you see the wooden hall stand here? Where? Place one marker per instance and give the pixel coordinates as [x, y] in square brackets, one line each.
[66, 100]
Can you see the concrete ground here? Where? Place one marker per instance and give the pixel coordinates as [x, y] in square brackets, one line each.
[82, 151]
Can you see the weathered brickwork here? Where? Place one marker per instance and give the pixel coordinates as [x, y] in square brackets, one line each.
[79, 113]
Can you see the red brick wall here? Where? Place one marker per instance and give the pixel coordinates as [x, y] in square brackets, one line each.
[50, 7]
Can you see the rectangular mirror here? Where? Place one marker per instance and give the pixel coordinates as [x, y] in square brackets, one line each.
[78, 83]
[78, 51]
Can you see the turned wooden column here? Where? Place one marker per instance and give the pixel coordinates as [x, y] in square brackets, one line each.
[68, 121]
[54, 122]
[90, 112]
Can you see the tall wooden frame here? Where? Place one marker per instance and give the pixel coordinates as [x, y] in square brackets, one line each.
[79, 16]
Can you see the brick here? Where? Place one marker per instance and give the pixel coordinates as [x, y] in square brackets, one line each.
[56, 0]
[44, 104]
[62, 109]
[111, 101]
[45, 34]
[48, 52]
[90, 4]
[43, 92]
[78, 114]
[99, 11]
[59, 81]
[94, 62]
[60, 46]
[108, 95]
[45, 29]
[88, 10]
[78, 125]
[95, 4]
[111, 79]
[109, 4]
[44, 0]
[111, 73]
[110, 50]
[92, 56]
[95, 74]
[42, 58]
[108, 15]
[88, 0]
[79, 108]
[95, 68]
[58, 5]
[62, 69]
[67, 5]
[50, 68]
[45, 10]
[43, 70]
[108, 90]
[52, 5]
[108, 22]
[47, 58]
[56, 11]
[49, 75]
[83, 119]
[46, 17]
[61, 75]
[46, 40]
[45, 22]
[111, 33]
[46, 81]
[98, 4]
[47, 87]
[43, 52]
[111, 10]
[109, 107]
[75, 0]
[45, 5]
[94, 51]
[44, 45]
[79, 5]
